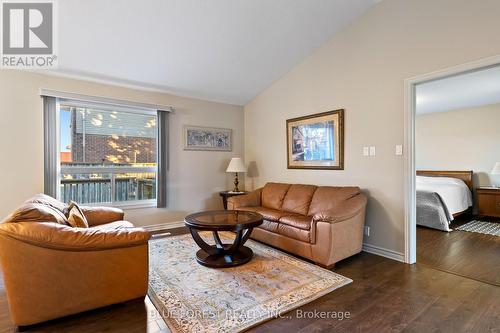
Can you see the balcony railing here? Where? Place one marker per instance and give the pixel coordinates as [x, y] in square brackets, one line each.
[100, 190]
[108, 184]
[86, 190]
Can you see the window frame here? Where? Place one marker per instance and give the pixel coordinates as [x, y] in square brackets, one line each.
[60, 170]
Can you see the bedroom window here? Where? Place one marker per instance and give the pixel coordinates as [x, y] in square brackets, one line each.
[105, 154]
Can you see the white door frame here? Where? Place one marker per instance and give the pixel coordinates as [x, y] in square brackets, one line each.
[409, 143]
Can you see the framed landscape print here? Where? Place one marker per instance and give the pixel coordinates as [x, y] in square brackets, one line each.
[207, 138]
[316, 141]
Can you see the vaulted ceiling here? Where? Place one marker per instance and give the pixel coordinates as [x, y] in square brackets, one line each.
[222, 50]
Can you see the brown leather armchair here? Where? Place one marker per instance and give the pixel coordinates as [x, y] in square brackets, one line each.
[52, 270]
[320, 223]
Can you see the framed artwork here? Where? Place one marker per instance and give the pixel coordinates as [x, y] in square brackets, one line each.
[316, 141]
[207, 138]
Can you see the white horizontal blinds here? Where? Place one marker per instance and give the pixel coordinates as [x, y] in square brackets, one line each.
[50, 139]
[107, 108]
[162, 159]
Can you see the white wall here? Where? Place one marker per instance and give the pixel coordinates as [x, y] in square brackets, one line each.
[194, 177]
[363, 69]
[464, 139]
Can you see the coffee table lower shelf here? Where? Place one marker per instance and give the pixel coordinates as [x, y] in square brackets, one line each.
[223, 255]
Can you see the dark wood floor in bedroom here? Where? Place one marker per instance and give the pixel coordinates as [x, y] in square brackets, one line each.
[464, 253]
[386, 296]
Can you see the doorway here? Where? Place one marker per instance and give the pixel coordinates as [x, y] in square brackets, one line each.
[412, 103]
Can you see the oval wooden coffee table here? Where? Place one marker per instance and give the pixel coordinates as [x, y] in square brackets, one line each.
[220, 254]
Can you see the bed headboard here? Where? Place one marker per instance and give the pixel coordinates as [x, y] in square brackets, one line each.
[466, 176]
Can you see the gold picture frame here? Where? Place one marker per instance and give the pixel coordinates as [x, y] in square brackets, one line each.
[316, 141]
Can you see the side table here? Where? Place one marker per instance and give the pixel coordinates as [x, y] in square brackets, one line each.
[228, 194]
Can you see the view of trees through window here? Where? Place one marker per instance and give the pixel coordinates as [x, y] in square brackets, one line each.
[107, 155]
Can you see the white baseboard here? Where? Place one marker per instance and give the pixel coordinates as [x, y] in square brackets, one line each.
[383, 252]
[380, 251]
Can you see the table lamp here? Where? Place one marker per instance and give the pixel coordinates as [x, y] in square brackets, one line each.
[236, 165]
[496, 169]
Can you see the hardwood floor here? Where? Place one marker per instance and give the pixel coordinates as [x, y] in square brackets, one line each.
[386, 296]
[464, 253]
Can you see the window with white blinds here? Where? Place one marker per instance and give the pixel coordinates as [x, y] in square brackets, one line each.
[102, 153]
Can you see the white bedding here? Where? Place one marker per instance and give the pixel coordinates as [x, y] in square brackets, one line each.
[454, 192]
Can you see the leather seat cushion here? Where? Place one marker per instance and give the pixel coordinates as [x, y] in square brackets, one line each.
[273, 195]
[61, 237]
[298, 199]
[113, 226]
[297, 221]
[271, 226]
[295, 233]
[269, 214]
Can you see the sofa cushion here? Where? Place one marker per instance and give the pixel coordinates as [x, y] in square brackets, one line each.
[273, 195]
[101, 215]
[48, 201]
[271, 226]
[62, 237]
[328, 197]
[297, 221]
[298, 199]
[295, 233]
[269, 214]
[36, 212]
[76, 218]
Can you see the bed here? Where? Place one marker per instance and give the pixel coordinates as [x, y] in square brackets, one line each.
[442, 196]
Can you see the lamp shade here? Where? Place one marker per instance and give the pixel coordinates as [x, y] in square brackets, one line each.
[496, 169]
[236, 165]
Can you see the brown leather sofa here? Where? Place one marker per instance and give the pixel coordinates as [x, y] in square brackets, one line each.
[320, 223]
[51, 269]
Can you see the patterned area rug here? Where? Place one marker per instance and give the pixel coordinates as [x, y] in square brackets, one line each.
[194, 298]
[489, 228]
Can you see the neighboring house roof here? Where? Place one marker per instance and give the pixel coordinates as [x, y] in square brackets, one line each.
[66, 156]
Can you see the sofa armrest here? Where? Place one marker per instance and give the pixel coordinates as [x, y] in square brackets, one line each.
[251, 199]
[65, 238]
[102, 215]
[344, 211]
